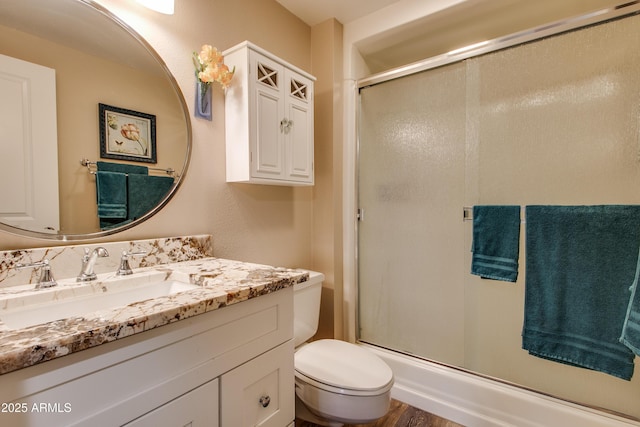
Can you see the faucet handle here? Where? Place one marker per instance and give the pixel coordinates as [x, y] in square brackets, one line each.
[46, 276]
[125, 268]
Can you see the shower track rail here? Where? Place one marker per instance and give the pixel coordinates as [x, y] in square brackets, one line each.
[558, 27]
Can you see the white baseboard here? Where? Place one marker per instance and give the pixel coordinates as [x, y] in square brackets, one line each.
[474, 401]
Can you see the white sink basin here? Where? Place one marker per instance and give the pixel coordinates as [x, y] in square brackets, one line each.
[82, 300]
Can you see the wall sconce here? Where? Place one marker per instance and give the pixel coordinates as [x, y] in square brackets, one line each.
[162, 6]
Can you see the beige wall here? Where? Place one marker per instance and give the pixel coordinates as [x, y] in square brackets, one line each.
[326, 55]
[253, 223]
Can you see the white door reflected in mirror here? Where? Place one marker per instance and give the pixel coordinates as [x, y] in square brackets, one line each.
[29, 142]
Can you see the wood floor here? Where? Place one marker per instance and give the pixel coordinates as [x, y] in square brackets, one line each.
[400, 415]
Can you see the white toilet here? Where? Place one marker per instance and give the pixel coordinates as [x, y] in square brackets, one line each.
[336, 382]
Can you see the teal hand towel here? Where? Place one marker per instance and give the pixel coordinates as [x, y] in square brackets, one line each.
[580, 261]
[111, 189]
[122, 168]
[145, 192]
[631, 327]
[496, 242]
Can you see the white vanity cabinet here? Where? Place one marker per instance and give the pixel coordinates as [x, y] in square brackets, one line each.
[268, 119]
[230, 367]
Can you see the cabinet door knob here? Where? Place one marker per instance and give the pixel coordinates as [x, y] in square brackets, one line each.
[264, 401]
[285, 125]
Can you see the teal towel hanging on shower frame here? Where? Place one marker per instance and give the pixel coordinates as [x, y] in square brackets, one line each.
[496, 242]
[580, 263]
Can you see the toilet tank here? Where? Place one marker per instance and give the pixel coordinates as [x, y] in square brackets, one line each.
[306, 307]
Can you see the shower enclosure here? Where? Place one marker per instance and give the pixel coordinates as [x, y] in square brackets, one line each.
[553, 121]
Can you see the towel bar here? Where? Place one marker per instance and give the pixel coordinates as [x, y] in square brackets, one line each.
[88, 164]
[467, 214]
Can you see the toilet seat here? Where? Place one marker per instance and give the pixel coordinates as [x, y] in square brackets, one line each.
[341, 367]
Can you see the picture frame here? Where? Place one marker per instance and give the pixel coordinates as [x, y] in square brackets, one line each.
[127, 134]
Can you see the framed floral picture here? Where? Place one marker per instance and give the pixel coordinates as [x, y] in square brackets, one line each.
[127, 135]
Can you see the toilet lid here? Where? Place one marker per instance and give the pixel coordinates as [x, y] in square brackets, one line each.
[343, 365]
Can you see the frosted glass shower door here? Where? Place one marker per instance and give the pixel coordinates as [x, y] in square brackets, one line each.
[411, 235]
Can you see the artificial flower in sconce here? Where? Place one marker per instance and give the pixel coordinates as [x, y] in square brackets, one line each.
[210, 67]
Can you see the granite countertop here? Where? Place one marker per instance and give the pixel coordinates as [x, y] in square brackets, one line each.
[221, 283]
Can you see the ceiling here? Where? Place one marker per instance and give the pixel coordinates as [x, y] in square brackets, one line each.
[316, 11]
[461, 24]
[40, 18]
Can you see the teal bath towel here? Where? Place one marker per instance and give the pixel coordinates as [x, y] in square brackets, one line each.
[111, 190]
[145, 192]
[580, 263]
[631, 327]
[122, 168]
[496, 242]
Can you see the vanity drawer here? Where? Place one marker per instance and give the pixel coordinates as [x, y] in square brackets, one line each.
[196, 408]
[260, 392]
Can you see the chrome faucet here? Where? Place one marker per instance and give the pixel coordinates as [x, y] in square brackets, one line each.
[88, 261]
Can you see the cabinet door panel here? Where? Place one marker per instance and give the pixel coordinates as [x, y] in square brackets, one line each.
[299, 150]
[268, 155]
[299, 138]
[260, 392]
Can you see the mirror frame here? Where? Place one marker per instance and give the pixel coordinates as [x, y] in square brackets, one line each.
[180, 177]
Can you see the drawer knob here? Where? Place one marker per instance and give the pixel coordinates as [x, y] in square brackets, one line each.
[264, 401]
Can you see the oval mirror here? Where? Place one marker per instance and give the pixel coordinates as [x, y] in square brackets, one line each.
[96, 134]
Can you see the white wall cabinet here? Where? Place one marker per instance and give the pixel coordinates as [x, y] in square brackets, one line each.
[176, 375]
[268, 119]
